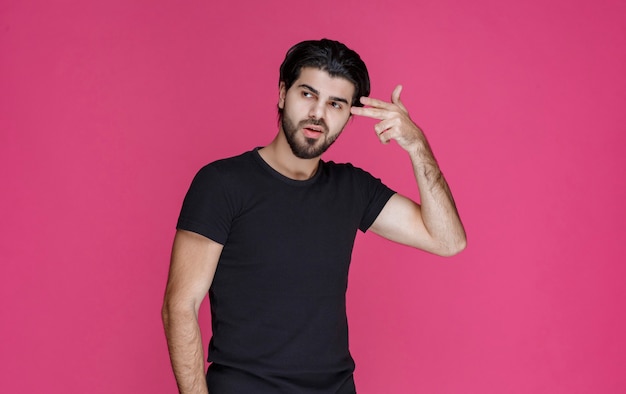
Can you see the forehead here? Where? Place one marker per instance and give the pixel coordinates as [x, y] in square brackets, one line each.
[326, 85]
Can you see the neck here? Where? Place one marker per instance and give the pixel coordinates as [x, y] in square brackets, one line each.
[279, 156]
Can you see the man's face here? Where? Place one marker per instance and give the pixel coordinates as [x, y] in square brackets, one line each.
[316, 108]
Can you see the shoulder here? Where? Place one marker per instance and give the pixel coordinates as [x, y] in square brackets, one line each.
[230, 163]
[227, 168]
[347, 170]
[341, 168]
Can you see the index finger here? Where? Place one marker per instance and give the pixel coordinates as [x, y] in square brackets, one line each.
[371, 112]
[375, 103]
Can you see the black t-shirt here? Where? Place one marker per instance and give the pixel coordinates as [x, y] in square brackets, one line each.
[278, 296]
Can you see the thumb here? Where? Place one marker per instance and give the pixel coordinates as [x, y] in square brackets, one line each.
[395, 97]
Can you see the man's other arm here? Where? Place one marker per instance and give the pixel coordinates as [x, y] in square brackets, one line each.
[192, 267]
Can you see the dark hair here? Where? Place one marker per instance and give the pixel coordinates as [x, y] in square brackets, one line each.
[331, 56]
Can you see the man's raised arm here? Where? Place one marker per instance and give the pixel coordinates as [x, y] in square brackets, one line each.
[434, 226]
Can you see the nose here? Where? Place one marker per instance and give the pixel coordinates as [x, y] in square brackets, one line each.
[317, 110]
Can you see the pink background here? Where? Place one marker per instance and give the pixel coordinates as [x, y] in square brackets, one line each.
[107, 109]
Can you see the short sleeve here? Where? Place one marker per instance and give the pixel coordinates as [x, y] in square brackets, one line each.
[206, 208]
[376, 195]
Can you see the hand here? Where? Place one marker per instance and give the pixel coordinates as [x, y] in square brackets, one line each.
[395, 123]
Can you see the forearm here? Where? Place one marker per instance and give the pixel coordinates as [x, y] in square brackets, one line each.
[184, 342]
[439, 211]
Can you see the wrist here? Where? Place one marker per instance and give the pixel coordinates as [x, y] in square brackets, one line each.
[420, 153]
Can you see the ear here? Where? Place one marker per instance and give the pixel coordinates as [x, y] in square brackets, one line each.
[282, 93]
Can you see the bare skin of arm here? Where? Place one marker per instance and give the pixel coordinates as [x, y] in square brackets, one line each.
[192, 267]
[433, 226]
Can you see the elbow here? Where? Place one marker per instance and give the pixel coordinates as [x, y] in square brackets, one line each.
[174, 311]
[165, 314]
[453, 248]
[170, 311]
[458, 248]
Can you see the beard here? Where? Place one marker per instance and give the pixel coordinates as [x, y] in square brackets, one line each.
[309, 148]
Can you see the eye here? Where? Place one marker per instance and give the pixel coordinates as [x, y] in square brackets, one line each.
[335, 105]
[306, 94]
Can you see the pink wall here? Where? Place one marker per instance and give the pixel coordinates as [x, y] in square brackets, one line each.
[107, 111]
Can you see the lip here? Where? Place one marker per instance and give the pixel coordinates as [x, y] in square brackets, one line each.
[312, 132]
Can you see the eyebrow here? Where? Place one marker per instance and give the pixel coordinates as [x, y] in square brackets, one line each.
[315, 91]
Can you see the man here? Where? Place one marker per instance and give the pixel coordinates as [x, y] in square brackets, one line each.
[269, 235]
